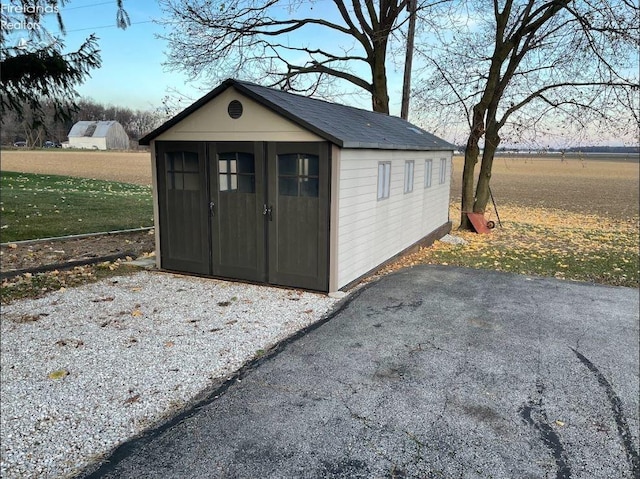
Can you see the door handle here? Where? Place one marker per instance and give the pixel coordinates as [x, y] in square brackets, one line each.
[211, 207]
[266, 211]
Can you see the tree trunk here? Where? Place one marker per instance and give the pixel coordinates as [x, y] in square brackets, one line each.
[379, 95]
[483, 193]
[408, 61]
[470, 160]
[471, 153]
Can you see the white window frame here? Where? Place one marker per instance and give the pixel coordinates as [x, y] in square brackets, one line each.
[443, 171]
[409, 173]
[384, 180]
[428, 172]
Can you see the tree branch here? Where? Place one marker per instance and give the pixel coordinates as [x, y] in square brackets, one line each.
[539, 94]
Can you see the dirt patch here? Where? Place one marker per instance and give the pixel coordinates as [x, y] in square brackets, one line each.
[20, 256]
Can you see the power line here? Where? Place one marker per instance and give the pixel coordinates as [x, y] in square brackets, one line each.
[105, 26]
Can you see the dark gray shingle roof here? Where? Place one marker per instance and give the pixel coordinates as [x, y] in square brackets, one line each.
[344, 126]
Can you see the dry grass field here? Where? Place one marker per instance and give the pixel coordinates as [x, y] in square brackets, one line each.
[605, 188]
[127, 167]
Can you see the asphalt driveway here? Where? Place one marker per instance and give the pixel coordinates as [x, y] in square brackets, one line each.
[432, 372]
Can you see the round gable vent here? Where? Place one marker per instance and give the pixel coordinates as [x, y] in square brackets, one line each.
[235, 109]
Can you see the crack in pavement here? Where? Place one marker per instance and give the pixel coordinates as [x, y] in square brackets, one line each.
[618, 414]
[549, 437]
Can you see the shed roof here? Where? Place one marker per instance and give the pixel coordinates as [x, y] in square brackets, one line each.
[345, 126]
[100, 131]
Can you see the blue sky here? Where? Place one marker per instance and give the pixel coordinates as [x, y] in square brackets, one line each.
[132, 72]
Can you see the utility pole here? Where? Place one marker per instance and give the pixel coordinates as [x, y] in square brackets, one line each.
[406, 85]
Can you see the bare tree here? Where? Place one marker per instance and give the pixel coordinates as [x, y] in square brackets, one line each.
[143, 122]
[251, 39]
[22, 125]
[529, 68]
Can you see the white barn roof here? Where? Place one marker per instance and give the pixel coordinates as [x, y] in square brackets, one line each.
[100, 131]
[102, 135]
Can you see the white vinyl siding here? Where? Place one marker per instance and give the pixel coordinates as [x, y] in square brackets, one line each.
[384, 179]
[409, 167]
[428, 172]
[370, 231]
[443, 171]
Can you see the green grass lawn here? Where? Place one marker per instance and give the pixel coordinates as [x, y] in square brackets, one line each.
[41, 206]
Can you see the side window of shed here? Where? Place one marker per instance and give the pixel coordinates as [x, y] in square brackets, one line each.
[428, 172]
[409, 167]
[384, 179]
[443, 170]
[183, 170]
[237, 172]
[298, 175]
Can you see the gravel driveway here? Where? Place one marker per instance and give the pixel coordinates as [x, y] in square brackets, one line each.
[86, 368]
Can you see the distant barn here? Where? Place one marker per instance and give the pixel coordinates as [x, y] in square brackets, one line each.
[98, 135]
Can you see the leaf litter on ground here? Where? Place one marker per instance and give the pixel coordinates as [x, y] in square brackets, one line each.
[542, 242]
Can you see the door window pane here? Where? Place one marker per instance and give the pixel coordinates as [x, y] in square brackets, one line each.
[183, 170]
[224, 182]
[309, 187]
[237, 172]
[190, 162]
[246, 165]
[309, 166]
[174, 180]
[299, 175]
[246, 183]
[191, 181]
[288, 165]
[288, 186]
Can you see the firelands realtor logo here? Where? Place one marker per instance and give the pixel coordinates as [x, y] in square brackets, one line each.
[23, 17]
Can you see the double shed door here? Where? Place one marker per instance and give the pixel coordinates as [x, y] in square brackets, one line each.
[262, 215]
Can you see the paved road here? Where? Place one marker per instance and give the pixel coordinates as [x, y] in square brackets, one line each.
[432, 372]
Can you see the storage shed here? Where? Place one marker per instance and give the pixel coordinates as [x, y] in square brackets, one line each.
[98, 135]
[258, 184]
